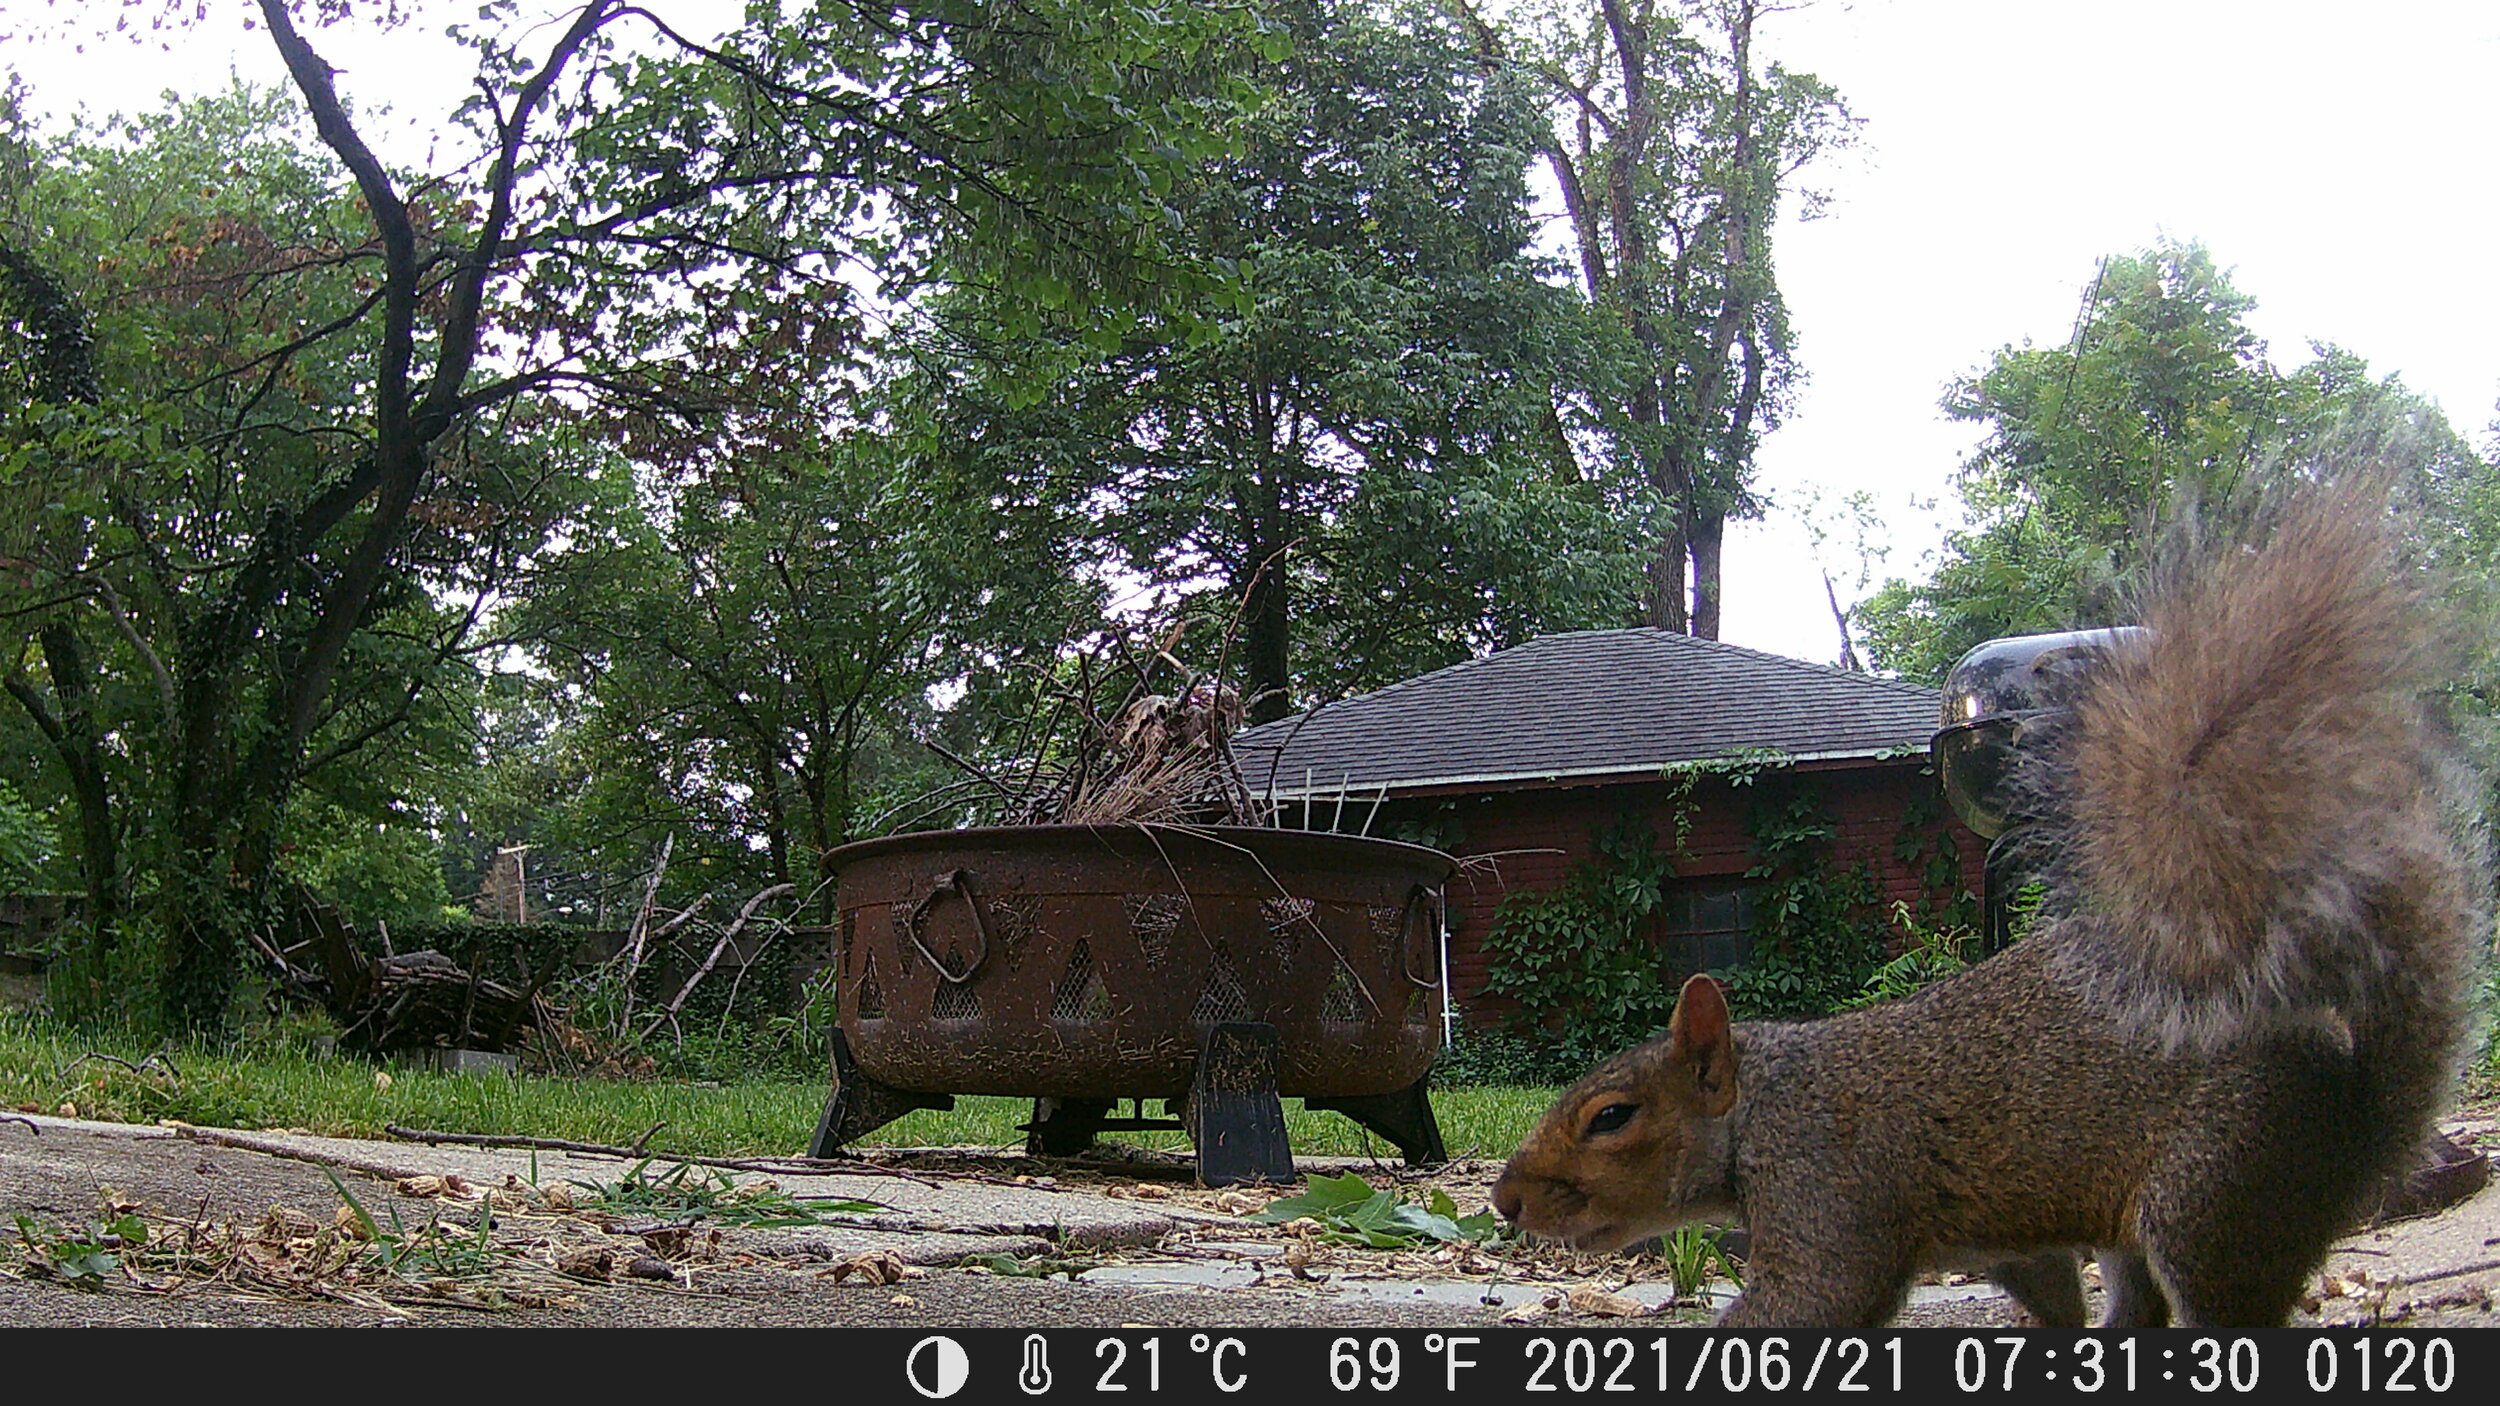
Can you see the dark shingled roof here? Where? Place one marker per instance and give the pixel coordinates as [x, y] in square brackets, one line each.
[1592, 704]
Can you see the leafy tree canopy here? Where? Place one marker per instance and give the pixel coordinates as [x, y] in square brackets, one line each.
[1357, 475]
[292, 415]
[2163, 394]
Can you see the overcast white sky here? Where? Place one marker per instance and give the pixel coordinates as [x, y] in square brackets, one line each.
[2338, 158]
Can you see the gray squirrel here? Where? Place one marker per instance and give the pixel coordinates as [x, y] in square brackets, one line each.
[2240, 1010]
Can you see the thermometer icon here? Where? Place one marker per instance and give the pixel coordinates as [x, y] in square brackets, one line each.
[1034, 1375]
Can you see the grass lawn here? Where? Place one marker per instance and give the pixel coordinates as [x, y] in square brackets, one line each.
[43, 1067]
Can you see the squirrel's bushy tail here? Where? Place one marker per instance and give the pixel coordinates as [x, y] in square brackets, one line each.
[2249, 801]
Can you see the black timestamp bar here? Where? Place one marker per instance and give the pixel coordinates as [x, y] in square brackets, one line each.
[1137, 1365]
[1313, 1364]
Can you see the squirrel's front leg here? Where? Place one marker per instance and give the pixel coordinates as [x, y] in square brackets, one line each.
[1850, 1290]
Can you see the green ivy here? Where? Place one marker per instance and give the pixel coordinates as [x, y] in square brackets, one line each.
[1483, 1055]
[27, 843]
[1577, 960]
[1925, 847]
[1439, 828]
[1580, 964]
[1818, 931]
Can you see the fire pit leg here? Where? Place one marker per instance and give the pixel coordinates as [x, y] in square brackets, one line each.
[859, 1104]
[1235, 1119]
[1404, 1118]
[1064, 1127]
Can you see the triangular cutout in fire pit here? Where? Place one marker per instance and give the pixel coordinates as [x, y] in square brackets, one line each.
[954, 999]
[1079, 994]
[1222, 998]
[1343, 1000]
[871, 995]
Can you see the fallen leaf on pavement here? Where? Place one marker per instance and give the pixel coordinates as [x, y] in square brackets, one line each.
[1589, 1299]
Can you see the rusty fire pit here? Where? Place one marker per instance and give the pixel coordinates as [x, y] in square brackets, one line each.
[1213, 967]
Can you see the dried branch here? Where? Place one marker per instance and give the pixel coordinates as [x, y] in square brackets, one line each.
[641, 930]
[728, 936]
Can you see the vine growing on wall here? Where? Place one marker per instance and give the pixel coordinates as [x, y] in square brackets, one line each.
[1925, 847]
[1580, 962]
[1578, 959]
[1818, 929]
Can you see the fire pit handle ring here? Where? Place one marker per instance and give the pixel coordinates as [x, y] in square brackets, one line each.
[1429, 898]
[959, 882]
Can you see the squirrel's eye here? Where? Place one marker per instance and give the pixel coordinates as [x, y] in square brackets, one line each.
[1611, 1118]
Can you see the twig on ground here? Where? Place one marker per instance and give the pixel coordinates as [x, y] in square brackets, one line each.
[825, 1166]
[141, 1067]
[31, 1125]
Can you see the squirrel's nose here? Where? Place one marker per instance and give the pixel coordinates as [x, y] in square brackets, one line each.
[1506, 1200]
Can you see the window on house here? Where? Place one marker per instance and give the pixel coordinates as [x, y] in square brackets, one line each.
[1705, 927]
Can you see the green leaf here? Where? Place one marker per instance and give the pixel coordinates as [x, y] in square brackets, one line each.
[1327, 1196]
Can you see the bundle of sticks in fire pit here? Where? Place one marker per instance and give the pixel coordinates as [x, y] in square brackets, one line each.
[1161, 753]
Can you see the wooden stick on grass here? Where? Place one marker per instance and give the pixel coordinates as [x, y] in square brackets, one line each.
[823, 1165]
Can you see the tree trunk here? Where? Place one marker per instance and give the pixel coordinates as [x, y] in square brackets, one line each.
[1266, 628]
[80, 746]
[773, 784]
[225, 808]
[1709, 532]
[215, 890]
[65, 371]
[1665, 608]
[1705, 519]
[1267, 603]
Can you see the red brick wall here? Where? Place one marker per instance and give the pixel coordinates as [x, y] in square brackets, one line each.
[1532, 839]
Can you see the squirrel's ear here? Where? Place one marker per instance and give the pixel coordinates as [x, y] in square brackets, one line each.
[1698, 1045]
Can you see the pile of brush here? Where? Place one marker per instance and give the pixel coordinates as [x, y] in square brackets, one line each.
[1165, 758]
[404, 1000]
[1160, 753]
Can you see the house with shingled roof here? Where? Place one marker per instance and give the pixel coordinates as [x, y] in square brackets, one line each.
[1517, 761]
